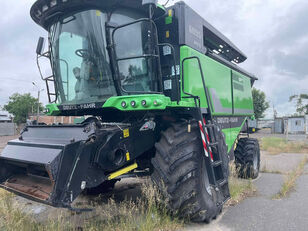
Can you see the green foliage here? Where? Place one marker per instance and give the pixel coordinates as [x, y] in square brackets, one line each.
[20, 106]
[259, 103]
[301, 103]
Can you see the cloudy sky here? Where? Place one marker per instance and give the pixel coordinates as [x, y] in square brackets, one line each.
[272, 33]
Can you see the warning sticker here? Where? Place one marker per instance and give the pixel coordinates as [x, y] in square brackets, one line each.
[126, 133]
[168, 84]
[166, 50]
[127, 156]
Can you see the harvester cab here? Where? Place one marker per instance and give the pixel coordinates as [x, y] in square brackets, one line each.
[163, 95]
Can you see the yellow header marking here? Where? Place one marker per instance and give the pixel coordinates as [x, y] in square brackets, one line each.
[127, 156]
[170, 13]
[98, 13]
[126, 133]
[167, 34]
[122, 171]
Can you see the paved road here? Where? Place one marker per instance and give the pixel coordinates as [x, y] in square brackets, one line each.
[261, 212]
[264, 213]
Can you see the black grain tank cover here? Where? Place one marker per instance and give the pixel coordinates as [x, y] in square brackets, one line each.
[47, 12]
[197, 33]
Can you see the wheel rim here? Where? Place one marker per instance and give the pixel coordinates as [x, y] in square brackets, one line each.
[206, 180]
[255, 162]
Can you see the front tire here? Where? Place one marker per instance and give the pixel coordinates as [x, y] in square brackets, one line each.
[247, 158]
[180, 172]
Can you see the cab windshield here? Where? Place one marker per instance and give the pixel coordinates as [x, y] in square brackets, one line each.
[81, 63]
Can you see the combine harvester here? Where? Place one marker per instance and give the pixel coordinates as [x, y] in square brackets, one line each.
[165, 98]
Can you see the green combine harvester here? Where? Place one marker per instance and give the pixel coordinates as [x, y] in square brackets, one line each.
[163, 96]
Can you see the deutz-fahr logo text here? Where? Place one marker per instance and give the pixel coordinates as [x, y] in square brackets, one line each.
[224, 120]
[80, 106]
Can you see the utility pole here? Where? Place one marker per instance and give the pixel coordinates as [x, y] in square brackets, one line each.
[38, 101]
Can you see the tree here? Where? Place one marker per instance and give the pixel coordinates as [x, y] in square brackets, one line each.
[301, 103]
[260, 104]
[20, 106]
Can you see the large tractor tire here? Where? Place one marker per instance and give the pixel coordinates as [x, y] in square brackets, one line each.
[180, 173]
[247, 158]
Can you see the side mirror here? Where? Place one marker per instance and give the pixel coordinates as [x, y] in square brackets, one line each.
[40, 46]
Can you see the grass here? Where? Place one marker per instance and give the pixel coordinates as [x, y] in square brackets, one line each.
[239, 188]
[146, 213]
[290, 180]
[275, 145]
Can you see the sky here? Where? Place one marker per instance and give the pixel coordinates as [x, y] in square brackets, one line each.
[272, 33]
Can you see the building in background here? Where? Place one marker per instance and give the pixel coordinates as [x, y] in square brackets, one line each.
[296, 125]
[5, 117]
[265, 123]
[279, 124]
[7, 127]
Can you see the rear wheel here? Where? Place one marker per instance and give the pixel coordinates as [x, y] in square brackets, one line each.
[247, 158]
[180, 172]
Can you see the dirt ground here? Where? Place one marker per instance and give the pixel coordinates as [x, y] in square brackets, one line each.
[5, 139]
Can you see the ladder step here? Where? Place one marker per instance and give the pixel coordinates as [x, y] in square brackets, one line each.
[223, 182]
[216, 163]
[213, 144]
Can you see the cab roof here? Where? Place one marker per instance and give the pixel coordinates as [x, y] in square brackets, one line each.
[46, 12]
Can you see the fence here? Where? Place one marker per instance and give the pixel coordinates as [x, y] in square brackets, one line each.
[7, 129]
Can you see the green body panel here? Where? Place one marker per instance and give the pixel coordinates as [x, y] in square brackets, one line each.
[52, 109]
[162, 102]
[229, 90]
[242, 94]
[116, 102]
[218, 79]
[231, 134]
